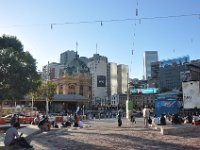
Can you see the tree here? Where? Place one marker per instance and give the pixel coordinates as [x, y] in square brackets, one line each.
[47, 91]
[18, 74]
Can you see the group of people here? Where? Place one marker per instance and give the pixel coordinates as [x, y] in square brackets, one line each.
[43, 123]
[149, 121]
[75, 120]
[12, 136]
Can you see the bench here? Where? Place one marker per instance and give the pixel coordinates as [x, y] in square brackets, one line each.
[178, 129]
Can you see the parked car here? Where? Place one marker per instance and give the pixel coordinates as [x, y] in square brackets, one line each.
[7, 118]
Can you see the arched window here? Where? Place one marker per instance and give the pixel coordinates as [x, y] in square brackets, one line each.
[72, 89]
[81, 90]
[61, 89]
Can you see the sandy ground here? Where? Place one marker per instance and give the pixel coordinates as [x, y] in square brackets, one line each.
[106, 135]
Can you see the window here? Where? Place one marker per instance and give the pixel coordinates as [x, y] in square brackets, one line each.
[81, 90]
[72, 89]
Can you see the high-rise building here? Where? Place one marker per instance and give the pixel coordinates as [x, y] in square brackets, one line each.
[148, 58]
[122, 78]
[67, 57]
[112, 79]
[98, 70]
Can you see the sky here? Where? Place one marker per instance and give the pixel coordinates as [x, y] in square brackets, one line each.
[110, 28]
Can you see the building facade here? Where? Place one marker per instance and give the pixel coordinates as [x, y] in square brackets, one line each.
[67, 56]
[52, 70]
[175, 71]
[74, 86]
[76, 79]
[122, 78]
[148, 58]
[112, 83]
[140, 100]
[98, 70]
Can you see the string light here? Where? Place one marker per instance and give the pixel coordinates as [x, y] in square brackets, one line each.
[101, 23]
[107, 21]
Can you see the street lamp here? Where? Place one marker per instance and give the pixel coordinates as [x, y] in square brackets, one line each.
[47, 102]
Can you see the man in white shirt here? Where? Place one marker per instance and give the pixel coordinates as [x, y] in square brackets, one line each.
[13, 138]
[146, 114]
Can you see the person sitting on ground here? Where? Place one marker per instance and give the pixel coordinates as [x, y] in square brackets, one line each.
[44, 125]
[150, 121]
[162, 120]
[155, 120]
[13, 138]
[56, 125]
[37, 120]
[66, 123]
[196, 119]
[77, 119]
[188, 118]
[175, 119]
[80, 124]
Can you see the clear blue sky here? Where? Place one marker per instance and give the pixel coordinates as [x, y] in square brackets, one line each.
[30, 21]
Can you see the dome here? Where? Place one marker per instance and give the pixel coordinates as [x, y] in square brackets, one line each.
[76, 66]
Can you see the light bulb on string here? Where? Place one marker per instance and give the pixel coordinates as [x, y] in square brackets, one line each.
[136, 12]
[101, 23]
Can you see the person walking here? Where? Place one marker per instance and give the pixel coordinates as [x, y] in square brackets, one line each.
[119, 119]
[133, 118]
[146, 114]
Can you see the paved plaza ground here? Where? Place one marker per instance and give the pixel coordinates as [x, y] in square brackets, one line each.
[106, 135]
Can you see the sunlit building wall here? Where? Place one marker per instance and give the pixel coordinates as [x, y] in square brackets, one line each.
[98, 70]
[122, 78]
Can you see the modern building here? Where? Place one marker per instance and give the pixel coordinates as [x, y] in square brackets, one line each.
[168, 74]
[148, 58]
[112, 83]
[67, 56]
[98, 70]
[122, 78]
[155, 72]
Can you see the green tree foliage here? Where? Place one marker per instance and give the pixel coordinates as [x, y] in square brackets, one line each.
[18, 75]
[47, 90]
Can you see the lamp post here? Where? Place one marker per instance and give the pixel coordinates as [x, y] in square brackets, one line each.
[32, 105]
[47, 102]
[127, 101]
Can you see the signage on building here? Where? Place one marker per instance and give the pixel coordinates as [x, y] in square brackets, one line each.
[101, 81]
[167, 106]
[191, 94]
[144, 90]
